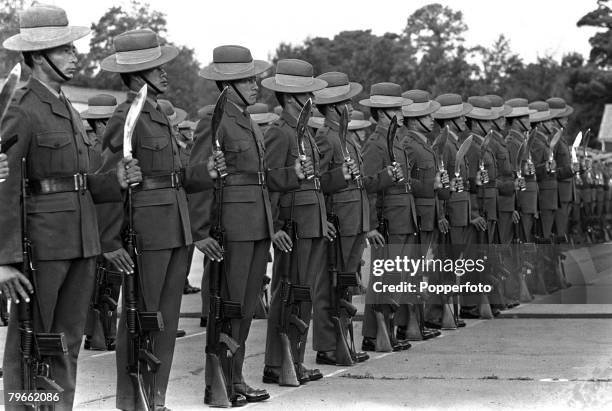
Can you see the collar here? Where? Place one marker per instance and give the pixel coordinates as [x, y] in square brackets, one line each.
[332, 124]
[48, 96]
[499, 138]
[289, 119]
[241, 117]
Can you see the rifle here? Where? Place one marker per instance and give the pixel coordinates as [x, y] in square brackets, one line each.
[104, 307]
[36, 370]
[340, 281]
[140, 324]
[220, 346]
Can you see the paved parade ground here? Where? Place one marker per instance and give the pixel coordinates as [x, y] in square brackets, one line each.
[536, 357]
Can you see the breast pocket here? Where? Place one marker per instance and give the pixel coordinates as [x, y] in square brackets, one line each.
[154, 154]
[238, 154]
[55, 153]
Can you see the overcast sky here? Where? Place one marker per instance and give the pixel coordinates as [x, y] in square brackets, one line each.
[534, 27]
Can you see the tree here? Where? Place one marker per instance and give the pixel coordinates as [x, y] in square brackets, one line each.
[9, 25]
[499, 64]
[601, 43]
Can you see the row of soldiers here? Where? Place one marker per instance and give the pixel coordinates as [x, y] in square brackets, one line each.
[316, 198]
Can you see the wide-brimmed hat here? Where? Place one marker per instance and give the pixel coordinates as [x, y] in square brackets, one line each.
[100, 106]
[559, 108]
[317, 119]
[422, 104]
[233, 63]
[519, 106]
[338, 89]
[385, 95]
[187, 125]
[498, 106]
[42, 27]
[481, 109]
[137, 50]
[260, 113]
[175, 115]
[451, 106]
[540, 112]
[358, 121]
[206, 111]
[293, 76]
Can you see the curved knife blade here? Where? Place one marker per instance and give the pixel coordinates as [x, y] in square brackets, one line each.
[520, 156]
[343, 129]
[555, 140]
[460, 156]
[218, 116]
[440, 142]
[131, 120]
[302, 123]
[585, 141]
[391, 138]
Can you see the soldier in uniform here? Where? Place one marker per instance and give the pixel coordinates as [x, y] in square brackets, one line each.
[456, 210]
[392, 210]
[160, 209]
[349, 205]
[101, 326]
[261, 115]
[246, 216]
[427, 189]
[42, 126]
[358, 126]
[301, 261]
[541, 120]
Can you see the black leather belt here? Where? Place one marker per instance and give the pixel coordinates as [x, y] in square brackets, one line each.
[76, 182]
[312, 184]
[172, 180]
[245, 179]
[398, 189]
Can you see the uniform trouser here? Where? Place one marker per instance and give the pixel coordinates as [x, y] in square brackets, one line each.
[505, 228]
[309, 256]
[324, 337]
[369, 317]
[547, 219]
[245, 267]
[480, 240]
[95, 328]
[562, 218]
[64, 289]
[162, 278]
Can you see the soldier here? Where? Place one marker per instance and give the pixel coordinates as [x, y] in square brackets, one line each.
[302, 258]
[48, 132]
[427, 190]
[101, 326]
[358, 126]
[456, 210]
[160, 207]
[392, 211]
[545, 165]
[246, 217]
[260, 114]
[348, 207]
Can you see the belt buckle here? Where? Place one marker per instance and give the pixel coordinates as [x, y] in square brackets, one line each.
[317, 183]
[80, 182]
[175, 180]
[261, 178]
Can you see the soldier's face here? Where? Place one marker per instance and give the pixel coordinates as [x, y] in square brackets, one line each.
[158, 77]
[248, 88]
[64, 58]
[501, 123]
[459, 124]
[562, 121]
[427, 121]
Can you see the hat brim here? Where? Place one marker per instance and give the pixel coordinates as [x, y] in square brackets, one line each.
[271, 84]
[433, 107]
[533, 118]
[18, 43]
[354, 89]
[358, 124]
[568, 111]
[186, 124]
[489, 117]
[264, 118]
[209, 72]
[369, 103]
[466, 108]
[168, 53]
[86, 115]
[316, 122]
[505, 111]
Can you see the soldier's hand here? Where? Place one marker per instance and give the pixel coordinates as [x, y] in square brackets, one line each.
[519, 184]
[211, 248]
[396, 172]
[216, 164]
[282, 241]
[437, 182]
[121, 260]
[330, 231]
[575, 167]
[480, 223]
[443, 225]
[375, 238]
[353, 167]
[304, 167]
[456, 184]
[14, 284]
[551, 166]
[4, 168]
[516, 217]
[479, 177]
[346, 172]
[444, 179]
[128, 172]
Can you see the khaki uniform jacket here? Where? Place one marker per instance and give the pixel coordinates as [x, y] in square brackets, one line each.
[350, 204]
[547, 182]
[247, 215]
[161, 216]
[565, 174]
[422, 177]
[308, 201]
[394, 201]
[51, 137]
